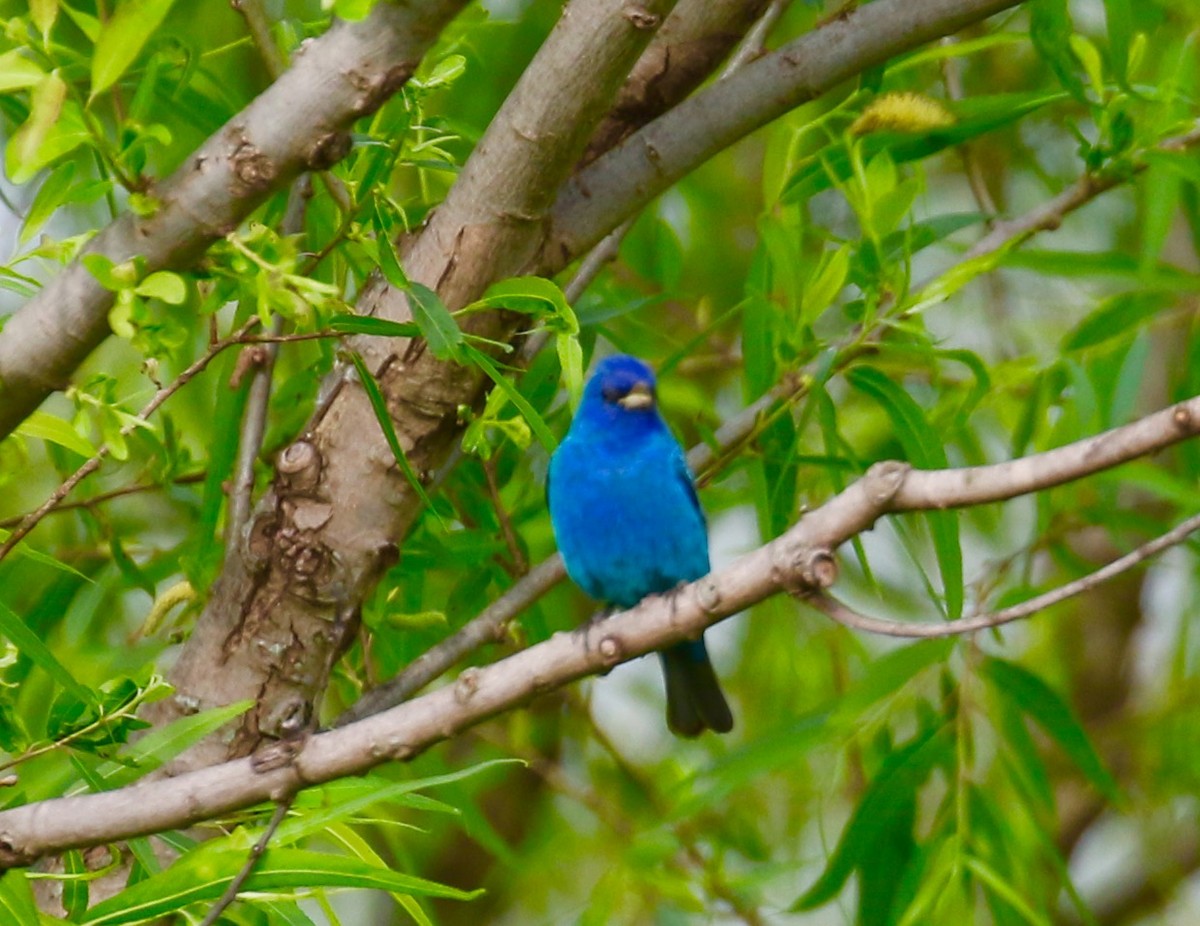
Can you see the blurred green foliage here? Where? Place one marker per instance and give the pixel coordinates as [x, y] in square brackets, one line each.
[867, 781]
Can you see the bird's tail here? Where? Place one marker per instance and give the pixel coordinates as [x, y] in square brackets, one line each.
[694, 698]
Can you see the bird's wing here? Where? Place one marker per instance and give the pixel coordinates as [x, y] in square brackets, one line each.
[684, 475]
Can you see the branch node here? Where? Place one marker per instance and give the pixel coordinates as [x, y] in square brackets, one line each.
[252, 169]
[467, 685]
[640, 17]
[884, 479]
[328, 150]
[819, 569]
[1183, 419]
[300, 466]
[708, 595]
[611, 650]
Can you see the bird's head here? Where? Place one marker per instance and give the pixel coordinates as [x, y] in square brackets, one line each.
[623, 385]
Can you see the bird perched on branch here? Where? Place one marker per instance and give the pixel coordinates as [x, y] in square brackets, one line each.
[628, 522]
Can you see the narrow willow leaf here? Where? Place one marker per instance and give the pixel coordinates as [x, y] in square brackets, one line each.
[376, 327]
[24, 154]
[17, 907]
[887, 675]
[1115, 317]
[441, 331]
[47, 427]
[481, 360]
[1118, 15]
[896, 785]
[379, 405]
[1043, 704]
[1050, 30]
[31, 645]
[203, 875]
[50, 196]
[18, 72]
[161, 744]
[1006, 892]
[923, 446]
[122, 38]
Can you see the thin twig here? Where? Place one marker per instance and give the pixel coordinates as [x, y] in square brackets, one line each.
[102, 497]
[848, 617]
[256, 852]
[952, 78]
[519, 563]
[258, 400]
[31, 520]
[259, 26]
[755, 42]
[1050, 214]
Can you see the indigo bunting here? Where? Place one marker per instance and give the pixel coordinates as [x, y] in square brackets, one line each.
[628, 522]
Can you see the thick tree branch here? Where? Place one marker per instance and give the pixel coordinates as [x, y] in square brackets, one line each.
[798, 561]
[299, 123]
[610, 189]
[695, 38]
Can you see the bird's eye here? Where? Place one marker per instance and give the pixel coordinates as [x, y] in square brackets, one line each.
[612, 394]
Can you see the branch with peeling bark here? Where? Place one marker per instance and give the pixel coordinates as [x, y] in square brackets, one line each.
[799, 562]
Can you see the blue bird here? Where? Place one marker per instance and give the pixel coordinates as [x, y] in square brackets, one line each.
[628, 522]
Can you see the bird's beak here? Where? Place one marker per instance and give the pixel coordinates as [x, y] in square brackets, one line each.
[640, 396]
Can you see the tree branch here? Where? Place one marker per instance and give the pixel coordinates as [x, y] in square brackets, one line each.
[836, 610]
[799, 560]
[298, 123]
[610, 189]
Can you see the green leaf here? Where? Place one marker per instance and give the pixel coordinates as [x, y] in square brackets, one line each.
[1040, 702]
[376, 327]
[50, 196]
[204, 874]
[75, 887]
[480, 359]
[23, 549]
[923, 446]
[1005, 891]
[825, 284]
[161, 744]
[784, 748]
[31, 645]
[893, 789]
[389, 263]
[18, 72]
[888, 674]
[535, 296]
[16, 899]
[47, 427]
[165, 286]
[1114, 318]
[1118, 15]
[122, 38]
[435, 321]
[379, 405]
[23, 154]
[976, 116]
[338, 801]
[1050, 30]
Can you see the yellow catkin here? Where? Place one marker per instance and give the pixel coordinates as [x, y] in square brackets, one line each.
[902, 112]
